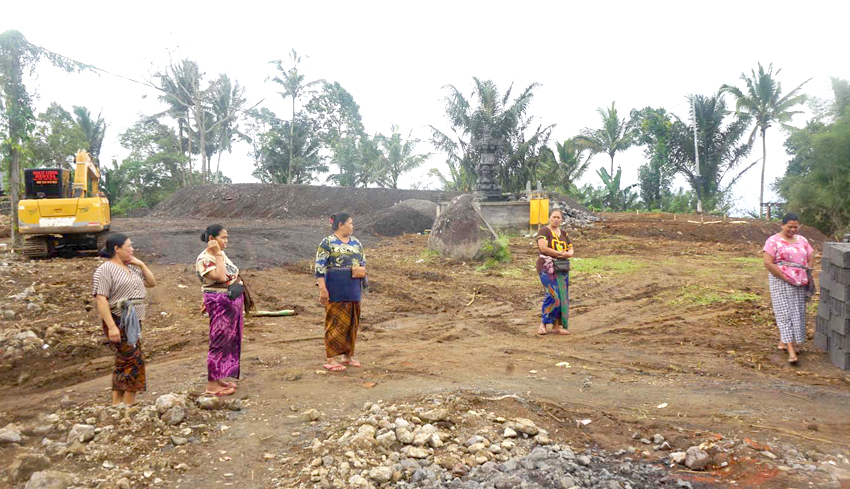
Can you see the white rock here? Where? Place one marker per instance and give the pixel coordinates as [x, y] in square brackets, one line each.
[166, 402]
[387, 439]
[509, 433]
[404, 435]
[81, 433]
[312, 415]
[697, 459]
[10, 434]
[174, 416]
[381, 474]
[50, 479]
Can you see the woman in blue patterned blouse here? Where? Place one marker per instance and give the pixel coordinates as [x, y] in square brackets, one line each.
[340, 271]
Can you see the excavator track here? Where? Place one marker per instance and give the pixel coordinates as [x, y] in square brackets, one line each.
[101, 240]
[37, 247]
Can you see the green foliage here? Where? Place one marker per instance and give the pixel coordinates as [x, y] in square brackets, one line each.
[398, 156]
[292, 82]
[55, 140]
[652, 130]
[705, 296]
[273, 148]
[616, 198]
[488, 110]
[721, 150]
[150, 173]
[614, 136]
[764, 104]
[817, 180]
[495, 252]
[604, 264]
[93, 129]
[562, 172]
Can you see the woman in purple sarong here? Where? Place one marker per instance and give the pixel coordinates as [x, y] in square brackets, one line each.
[224, 304]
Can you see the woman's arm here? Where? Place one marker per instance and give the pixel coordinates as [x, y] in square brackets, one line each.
[545, 250]
[112, 331]
[150, 280]
[773, 268]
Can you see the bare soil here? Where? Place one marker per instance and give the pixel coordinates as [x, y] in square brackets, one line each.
[663, 313]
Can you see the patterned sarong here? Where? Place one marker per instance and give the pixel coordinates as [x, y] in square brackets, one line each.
[556, 305]
[342, 320]
[129, 373]
[789, 307]
[225, 335]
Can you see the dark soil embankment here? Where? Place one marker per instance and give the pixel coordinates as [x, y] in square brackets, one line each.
[275, 201]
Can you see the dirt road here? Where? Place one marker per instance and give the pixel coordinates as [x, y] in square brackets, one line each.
[671, 328]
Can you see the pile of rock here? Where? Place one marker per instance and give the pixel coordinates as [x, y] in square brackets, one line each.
[429, 447]
[575, 216]
[99, 438]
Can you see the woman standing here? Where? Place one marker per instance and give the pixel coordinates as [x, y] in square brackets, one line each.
[340, 271]
[553, 267]
[787, 255]
[119, 290]
[224, 302]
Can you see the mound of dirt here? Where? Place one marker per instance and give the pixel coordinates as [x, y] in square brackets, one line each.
[710, 229]
[407, 217]
[275, 201]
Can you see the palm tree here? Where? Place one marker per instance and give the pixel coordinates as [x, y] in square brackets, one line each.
[293, 87]
[488, 110]
[765, 104]
[94, 130]
[398, 157]
[614, 136]
[566, 166]
[229, 98]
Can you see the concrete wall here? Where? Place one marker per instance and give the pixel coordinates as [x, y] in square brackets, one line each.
[502, 216]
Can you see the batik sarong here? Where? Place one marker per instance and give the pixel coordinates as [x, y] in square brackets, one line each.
[129, 373]
[226, 323]
[342, 320]
[556, 305]
[789, 307]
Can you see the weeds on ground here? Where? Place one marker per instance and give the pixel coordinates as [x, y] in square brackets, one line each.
[705, 296]
[604, 264]
[495, 252]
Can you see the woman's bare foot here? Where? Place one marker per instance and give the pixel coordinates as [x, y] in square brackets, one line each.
[781, 346]
[542, 329]
[226, 385]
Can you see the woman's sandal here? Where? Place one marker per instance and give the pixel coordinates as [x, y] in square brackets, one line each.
[793, 361]
[560, 331]
[542, 330]
[334, 368]
[352, 363]
[224, 392]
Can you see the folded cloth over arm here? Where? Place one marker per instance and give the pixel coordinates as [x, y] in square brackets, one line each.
[130, 323]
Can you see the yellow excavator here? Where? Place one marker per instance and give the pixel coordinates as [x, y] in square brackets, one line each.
[57, 217]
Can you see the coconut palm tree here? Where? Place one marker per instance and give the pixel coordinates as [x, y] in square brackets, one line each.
[564, 167]
[614, 136]
[293, 87]
[94, 129]
[398, 157]
[765, 104]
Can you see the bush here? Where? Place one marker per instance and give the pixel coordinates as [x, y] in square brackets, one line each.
[496, 252]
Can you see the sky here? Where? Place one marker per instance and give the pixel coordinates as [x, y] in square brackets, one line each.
[396, 58]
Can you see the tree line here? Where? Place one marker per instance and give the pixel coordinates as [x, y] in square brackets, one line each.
[322, 139]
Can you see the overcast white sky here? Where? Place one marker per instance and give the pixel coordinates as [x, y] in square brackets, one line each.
[395, 57]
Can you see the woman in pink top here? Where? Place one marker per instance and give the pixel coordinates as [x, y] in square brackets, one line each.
[787, 256]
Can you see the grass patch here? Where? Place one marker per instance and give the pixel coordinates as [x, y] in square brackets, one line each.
[705, 296]
[604, 264]
[747, 260]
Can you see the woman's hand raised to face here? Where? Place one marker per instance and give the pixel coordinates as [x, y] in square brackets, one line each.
[213, 247]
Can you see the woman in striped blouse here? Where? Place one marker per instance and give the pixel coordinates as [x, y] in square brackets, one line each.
[119, 289]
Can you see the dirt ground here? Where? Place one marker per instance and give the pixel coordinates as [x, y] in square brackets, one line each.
[672, 333]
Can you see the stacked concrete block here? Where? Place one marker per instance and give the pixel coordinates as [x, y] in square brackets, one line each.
[832, 332]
